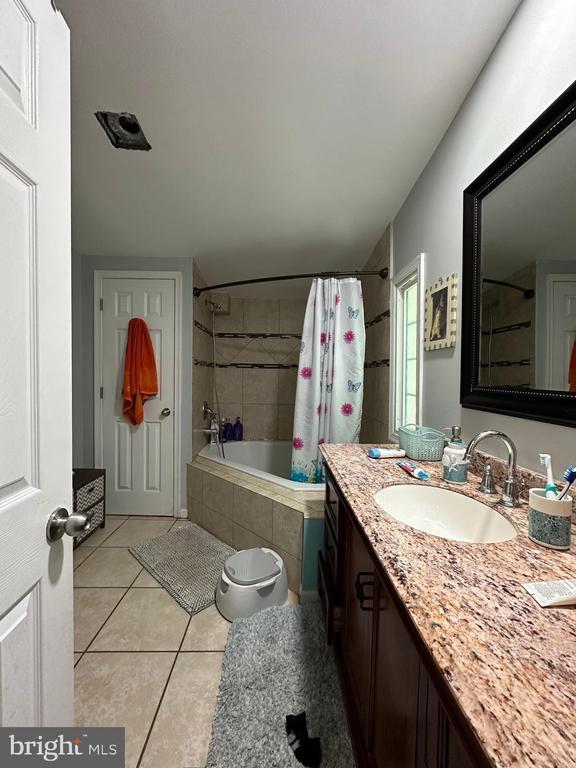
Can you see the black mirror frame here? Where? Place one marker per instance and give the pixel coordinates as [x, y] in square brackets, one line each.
[537, 404]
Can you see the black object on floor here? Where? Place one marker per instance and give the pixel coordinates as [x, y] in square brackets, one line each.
[276, 662]
[306, 750]
[296, 728]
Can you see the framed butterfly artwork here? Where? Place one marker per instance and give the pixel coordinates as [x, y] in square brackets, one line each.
[441, 313]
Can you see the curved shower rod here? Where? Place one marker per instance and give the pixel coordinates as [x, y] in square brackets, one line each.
[383, 273]
[529, 293]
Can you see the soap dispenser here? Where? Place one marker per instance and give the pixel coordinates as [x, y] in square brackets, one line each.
[455, 468]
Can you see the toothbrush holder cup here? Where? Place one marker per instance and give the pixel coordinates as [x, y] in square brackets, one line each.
[549, 520]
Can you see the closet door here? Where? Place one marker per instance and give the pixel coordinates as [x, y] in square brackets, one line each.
[139, 460]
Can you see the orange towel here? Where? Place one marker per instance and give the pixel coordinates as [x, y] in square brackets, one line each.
[572, 370]
[140, 376]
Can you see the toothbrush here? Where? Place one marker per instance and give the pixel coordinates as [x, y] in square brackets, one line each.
[569, 476]
[551, 490]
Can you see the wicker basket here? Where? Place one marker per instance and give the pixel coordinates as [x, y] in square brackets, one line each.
[421, 443]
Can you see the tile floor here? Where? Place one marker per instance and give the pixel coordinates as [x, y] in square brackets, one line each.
[141, 661]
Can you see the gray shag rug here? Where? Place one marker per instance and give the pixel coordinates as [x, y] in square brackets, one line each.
[187, 562]
[277, 663]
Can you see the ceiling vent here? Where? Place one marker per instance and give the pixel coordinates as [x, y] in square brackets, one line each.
[123, 130]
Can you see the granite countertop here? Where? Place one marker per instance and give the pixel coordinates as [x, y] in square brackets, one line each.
[510, 663]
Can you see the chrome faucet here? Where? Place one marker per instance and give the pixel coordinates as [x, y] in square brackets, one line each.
[207, 411]
[214, 430]
[508, 490]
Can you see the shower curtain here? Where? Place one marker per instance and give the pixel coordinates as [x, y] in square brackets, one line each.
[330, 374]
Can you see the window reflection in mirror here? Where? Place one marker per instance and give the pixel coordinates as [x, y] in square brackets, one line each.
[528, 297]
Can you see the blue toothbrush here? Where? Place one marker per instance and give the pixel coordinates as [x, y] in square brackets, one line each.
[569, 476]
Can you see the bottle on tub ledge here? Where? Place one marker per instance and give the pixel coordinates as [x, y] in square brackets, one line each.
[237, 430]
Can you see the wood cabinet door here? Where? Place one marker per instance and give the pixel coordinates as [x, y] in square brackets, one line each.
[356, 647]
[439, 743]
[396, 669]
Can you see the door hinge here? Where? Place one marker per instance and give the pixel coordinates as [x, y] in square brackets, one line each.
[101, 305]
[101, 393]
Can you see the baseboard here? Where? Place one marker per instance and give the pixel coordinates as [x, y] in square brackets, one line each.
[183, 513]
[309, 596]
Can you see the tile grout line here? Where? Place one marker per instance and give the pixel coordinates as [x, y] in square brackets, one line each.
[97, 545]
[109, 615]
[121, 598]
[73, 587]
[163, 693]
[127, 589]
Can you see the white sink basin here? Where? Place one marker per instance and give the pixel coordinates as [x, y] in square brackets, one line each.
[444, 513]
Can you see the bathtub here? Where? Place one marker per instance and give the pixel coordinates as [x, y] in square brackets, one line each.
[268, 460]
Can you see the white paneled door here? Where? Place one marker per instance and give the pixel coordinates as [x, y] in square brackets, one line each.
[36, 667]
[139, 460]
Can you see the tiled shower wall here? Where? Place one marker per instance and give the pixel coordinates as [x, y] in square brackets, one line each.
[508, 328]
[202, 370]
[375, 426]
[263, 397]
[256, 365]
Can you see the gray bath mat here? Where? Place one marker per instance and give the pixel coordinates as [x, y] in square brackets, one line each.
[187, 562]
[277, 663]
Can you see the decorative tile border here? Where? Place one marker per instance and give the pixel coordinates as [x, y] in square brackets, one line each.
[242, 335]
[505, 363]
[508, 328]
[266, 366]
[201, 327]
[377, 319]
[378, 364]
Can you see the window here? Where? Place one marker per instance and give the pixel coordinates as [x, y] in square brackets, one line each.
[407, 344]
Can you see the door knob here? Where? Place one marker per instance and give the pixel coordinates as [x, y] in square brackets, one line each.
[61, 522]
[165, 412]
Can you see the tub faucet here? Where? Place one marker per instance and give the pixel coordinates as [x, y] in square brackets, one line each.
[508, 490]
[207, 411]
[214, 431]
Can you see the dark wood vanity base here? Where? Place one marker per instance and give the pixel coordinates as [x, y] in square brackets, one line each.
[400, 710]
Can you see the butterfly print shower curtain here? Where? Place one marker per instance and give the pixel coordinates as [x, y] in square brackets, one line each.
[330, 374]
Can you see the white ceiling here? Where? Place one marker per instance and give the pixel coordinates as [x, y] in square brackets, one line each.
[285, 133]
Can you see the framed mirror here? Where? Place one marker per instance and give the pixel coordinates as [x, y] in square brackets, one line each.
[519, 275]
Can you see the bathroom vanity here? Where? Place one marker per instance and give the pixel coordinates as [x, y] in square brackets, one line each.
[445, 660]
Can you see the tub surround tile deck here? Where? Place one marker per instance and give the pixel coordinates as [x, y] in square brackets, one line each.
[310, 503]
[246, 511]
[511, 664]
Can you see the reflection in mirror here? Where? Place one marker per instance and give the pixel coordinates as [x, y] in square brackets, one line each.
[528, 297]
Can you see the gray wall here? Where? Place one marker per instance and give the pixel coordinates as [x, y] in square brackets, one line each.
[83, 352]
[534, 61]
